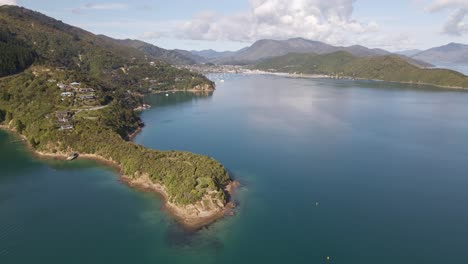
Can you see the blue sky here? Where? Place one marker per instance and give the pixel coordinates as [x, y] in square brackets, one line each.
[233, 24]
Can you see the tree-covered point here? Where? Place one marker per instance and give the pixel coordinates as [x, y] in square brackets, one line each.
[343, 64]
[29, 101]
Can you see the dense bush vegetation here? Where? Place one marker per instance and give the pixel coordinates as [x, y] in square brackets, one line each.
[89, 56]
[30, 101]
[61, 53]
[15, 55]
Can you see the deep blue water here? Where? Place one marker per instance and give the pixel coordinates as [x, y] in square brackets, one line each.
[362, 172]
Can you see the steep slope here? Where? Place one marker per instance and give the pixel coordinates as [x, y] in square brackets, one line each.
[77, 93]
[451, 53]
[56, 44]
[343, 64]
[195, 58]
[15, 54]
[174, 57]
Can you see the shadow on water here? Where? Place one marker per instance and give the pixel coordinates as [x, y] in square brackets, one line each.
[178, 237]
[76, 165]
[171, 98]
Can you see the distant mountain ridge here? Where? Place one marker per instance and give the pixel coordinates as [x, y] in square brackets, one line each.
[454, 53]
[175, 57]
[211, 54]
[267, 48]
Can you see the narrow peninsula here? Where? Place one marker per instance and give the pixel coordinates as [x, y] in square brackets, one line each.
[67, 90]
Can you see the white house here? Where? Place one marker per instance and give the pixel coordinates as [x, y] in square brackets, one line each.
[66, 94]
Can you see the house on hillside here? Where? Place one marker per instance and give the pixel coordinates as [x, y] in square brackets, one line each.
[63, 116]
[87, 97]
[65, 88]
[66, 127]
[66, 94]
[86, 90]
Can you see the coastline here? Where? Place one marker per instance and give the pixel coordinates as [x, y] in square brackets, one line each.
[180, 90]
[192, 217]
[201, 88]
[135, 133]
[349, 78]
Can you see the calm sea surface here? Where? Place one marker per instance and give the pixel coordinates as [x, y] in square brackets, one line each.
[360, 172]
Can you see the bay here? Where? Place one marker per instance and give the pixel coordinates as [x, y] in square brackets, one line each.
[360, 172]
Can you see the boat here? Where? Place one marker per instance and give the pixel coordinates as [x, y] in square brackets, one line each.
[72, 156]
[167, 94]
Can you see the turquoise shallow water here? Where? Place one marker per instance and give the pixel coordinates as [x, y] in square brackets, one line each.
[362, 172]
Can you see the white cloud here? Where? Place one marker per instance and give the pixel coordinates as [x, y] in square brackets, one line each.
[110, 6]
[438, 5]
[100, 7]
[330, 21]
[8, 2]
[456, 23]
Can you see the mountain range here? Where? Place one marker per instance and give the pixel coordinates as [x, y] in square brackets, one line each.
[267, 48]
[33, 37]
[453, 53]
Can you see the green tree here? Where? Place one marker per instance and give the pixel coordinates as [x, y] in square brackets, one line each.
[2, 115]
[20, 126]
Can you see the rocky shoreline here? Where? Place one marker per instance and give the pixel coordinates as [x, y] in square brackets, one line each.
[191, 217]
[196, 89]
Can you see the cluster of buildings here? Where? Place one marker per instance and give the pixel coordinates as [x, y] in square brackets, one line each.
[64, 120]
[75, 90]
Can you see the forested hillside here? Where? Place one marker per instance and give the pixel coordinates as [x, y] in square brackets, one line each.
[75, 91]
[343, 64]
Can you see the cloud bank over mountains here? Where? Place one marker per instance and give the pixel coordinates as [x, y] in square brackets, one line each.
[330, 21]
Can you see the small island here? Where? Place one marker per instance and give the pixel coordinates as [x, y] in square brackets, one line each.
[66, 91]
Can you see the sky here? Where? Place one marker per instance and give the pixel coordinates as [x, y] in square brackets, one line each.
[233, 24]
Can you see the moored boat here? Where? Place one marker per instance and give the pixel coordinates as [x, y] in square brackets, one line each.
[72, 156]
